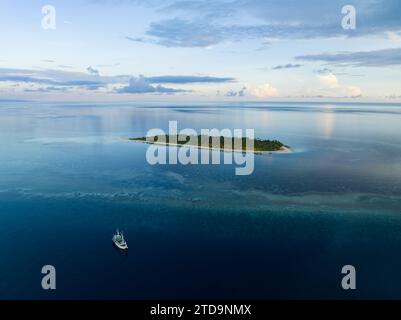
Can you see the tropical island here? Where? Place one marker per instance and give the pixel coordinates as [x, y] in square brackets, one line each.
[217, 142]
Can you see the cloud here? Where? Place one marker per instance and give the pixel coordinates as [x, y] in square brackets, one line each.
[53, 78]
[182, 33]
[47, 89]
[138, 39]
[239, 93]
[107, 65]
[179, 32]
[353, 91]
[207, 8]
[188, 79]
[206, 23]
[327, 71]
[287, 66]
[394, 36]
[50, 79]
[375, 58]
[264, 91]
[139, 85]
[329, 80]
[324, 71]
[92, 71]
[332, 87]
[64, 66]
[89, 84]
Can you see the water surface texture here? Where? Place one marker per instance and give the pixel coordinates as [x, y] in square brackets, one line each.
[69, 178]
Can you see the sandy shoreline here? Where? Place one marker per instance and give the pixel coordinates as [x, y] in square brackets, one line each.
[282, 150]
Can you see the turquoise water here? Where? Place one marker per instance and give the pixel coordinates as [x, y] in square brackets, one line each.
[69, 178]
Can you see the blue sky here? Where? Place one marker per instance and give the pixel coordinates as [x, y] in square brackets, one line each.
[179, 50]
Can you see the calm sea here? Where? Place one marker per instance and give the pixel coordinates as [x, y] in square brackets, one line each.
[69, 178]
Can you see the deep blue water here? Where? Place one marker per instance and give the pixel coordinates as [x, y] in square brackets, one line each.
[69, 178]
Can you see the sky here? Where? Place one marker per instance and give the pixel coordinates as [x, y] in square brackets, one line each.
[200, 50]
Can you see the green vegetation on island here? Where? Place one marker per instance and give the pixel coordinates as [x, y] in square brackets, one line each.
[221, 142]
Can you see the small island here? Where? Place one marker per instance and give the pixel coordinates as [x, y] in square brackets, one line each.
[223, 143]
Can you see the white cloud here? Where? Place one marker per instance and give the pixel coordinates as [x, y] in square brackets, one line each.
[394, 36]
[138, 85]
[353, 91]
[329, 80]
[264, 91]
[331, 86]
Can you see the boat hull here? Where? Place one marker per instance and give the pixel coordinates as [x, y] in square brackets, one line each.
[119, 245]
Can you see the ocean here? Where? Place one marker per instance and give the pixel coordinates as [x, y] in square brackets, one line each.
[69, 178]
